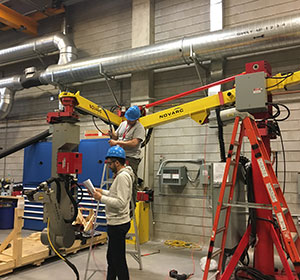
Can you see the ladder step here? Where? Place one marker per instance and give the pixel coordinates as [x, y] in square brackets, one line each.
[276, 186]
[218, 252]
[132, 252]
[285, 210]
[236, 143]
[294, 236]
[220, 230]
[107, 182]
[268, 161]
[229, 184]
[129, 236]
[223, 207]
[233, 162]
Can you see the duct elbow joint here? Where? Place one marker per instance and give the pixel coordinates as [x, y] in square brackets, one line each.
[31, 78]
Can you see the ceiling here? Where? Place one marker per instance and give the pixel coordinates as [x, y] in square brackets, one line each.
[23, 15]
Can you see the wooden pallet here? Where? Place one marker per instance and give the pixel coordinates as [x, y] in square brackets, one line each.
[16, 251]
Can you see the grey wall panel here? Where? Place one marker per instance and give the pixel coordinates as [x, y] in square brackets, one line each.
[101, 27]
[240, 12]
[176, 19]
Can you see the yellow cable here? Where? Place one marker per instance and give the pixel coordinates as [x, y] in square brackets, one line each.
[180, 243]
[48, 235]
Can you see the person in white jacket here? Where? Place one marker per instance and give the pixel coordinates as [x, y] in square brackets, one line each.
[117, 201]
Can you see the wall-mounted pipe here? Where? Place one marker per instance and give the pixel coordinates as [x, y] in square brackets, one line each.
[39, 47]
[264, 35]
[6, 101]
[33, 48]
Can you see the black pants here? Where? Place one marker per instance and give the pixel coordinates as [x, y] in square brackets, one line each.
[116, 259]
[134, 163]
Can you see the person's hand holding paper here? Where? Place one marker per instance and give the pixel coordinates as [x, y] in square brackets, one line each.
[96, 193]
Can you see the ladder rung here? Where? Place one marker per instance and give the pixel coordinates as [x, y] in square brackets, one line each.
[268, 162]
[294, 236]
[220, 230]
[228, 184]
[216, 253]
[276, 186]
[236, 143]
[285, 210]
[223, 207]
[233, 162]
[131, 252]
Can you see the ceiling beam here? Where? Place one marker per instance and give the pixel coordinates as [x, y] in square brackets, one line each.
[48, 12]
[15, 20]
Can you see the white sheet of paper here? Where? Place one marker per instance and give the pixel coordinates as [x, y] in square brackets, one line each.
[89, 185]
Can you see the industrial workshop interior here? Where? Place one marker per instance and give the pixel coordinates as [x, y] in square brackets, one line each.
[149, 139]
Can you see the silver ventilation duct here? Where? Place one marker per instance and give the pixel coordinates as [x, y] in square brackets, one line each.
[29, 50]
[40, 47]
[256, 37]
[260, 36]
[6, 101]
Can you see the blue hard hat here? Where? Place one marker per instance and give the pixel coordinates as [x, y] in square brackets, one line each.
[115, 152]
[133, 113]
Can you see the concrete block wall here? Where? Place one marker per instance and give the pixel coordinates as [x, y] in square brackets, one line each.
[105, 27]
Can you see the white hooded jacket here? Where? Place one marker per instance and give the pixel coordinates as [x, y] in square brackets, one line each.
[117, 198]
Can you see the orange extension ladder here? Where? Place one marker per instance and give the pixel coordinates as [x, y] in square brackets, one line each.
[286, 237]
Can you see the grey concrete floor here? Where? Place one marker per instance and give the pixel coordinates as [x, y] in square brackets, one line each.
[155, 266]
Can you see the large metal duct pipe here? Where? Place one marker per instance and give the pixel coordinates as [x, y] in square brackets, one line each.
[256, 37]
[39, 47]
[29, 50]
[7, 92]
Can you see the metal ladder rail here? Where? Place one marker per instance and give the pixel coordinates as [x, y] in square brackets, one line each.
[287, 226]
[95, 225]
[232, 161]
[136, 254]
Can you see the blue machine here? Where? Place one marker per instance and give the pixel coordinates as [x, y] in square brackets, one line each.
[37, 168]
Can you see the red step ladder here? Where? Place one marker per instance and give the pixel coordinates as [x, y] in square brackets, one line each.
[286, 239]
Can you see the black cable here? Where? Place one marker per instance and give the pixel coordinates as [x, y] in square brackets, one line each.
[73, 267]
[269, 221]
[111, 90]
[284, 160]
[221, 136]
[254, 273]
[58, 187]
[93, 117]
[276, 163]
[283, 78]
[251, 198]
[81, 190]
[72, 201]
[148, 137]
[114, 107]
[110, 123]
[278, 112]
[275, 127]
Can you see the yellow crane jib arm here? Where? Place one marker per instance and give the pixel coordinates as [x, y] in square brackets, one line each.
[281, 80]
[91, 108]
[198, 110]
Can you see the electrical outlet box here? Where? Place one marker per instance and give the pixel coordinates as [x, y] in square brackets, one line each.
[175, 176]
